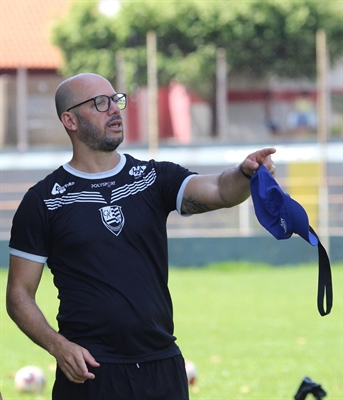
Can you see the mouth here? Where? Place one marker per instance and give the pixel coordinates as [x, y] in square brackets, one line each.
[115, 124]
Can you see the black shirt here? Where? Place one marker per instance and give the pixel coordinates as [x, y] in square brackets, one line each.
[104, 238]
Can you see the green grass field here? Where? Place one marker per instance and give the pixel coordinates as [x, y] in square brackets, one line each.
[253, 332]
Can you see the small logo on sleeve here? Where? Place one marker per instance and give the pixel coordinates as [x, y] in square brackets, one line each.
[58, 189]
[137, 172]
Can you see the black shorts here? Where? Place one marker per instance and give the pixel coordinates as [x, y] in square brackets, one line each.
[155, 380]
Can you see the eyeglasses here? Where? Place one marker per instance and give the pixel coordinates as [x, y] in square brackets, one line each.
[103, 103]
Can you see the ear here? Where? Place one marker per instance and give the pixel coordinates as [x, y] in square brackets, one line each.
[69, 120]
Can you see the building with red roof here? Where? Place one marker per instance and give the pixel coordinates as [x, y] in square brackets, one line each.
[29, 66]
[24, 34]
[29, 75]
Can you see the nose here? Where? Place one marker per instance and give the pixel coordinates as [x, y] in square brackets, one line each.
[114, 108]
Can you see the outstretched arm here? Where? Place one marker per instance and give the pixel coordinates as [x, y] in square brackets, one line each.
[230, 188]
[23, 280]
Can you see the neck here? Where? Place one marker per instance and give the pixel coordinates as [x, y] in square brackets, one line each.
[95, 161]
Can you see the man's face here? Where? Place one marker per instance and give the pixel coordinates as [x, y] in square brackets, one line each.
[104, 138]
[100, 131]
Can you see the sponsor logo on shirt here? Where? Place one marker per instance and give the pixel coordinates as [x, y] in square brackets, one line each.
[58, 189]
[137, 172]
[113, 218]
[102, 184]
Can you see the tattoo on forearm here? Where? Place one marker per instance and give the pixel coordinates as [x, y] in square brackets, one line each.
[191, 206]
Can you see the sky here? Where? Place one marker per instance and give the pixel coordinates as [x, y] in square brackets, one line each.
[109, 7]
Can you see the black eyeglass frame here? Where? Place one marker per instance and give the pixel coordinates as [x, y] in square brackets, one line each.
[103, 95]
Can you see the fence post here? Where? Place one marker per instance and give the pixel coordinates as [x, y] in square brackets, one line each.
[322, 107]
[221, 92]
[3, 109]
[22, 135]
[152, 94]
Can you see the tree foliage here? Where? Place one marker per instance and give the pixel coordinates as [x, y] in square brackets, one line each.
[87, 40]
[261, 37]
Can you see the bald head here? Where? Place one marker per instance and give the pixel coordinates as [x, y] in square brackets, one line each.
[76, 89]
[63, 97]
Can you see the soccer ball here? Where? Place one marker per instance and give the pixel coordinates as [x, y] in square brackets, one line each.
[191, 372]
[29, 379]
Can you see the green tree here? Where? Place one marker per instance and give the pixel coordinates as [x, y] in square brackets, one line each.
[261, 37]
[87, 40]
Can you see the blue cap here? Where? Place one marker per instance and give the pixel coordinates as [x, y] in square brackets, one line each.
[276, 210]
[282, 216]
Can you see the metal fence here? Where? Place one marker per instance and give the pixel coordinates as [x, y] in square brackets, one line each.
[241, 220]
[297, 173]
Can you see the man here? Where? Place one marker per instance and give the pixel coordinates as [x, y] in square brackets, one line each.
[99, 222]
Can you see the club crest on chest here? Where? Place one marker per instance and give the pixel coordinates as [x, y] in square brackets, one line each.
[113, 218]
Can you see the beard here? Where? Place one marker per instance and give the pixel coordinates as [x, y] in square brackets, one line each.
[96, 139]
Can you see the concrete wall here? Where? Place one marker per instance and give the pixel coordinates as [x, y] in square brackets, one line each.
[196, 252]
[202, 251]
[41, 121]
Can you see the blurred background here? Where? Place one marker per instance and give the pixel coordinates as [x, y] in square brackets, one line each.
[207, 83]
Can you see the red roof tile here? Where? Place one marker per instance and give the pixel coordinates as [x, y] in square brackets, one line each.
[25, 33]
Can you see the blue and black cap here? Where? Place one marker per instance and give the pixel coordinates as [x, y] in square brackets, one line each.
[282, 216]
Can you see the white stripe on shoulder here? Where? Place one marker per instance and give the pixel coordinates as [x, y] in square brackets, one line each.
[180, 195]
[134, 188]
[28, 256]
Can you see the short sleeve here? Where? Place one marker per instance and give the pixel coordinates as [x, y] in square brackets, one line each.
[172, 180]
[30, 232]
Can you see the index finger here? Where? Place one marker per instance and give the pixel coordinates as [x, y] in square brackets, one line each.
[261, 155]
[267, 151]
